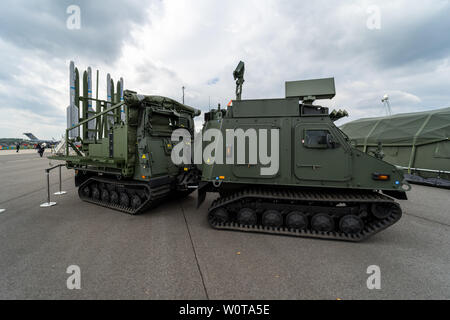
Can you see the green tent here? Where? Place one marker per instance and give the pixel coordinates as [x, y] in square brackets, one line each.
[416, 141]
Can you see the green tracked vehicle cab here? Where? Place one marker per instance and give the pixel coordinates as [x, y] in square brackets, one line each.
[308, 191]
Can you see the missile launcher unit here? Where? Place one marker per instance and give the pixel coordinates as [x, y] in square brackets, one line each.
[323, 188]
[121, 152]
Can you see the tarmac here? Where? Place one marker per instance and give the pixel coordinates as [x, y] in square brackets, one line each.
[172, 253]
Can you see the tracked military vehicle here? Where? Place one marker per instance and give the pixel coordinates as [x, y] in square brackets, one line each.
[323, 188]
[121, 152]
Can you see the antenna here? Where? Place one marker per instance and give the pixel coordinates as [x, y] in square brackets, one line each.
[182, 88]
[238, 75]
[387, 105]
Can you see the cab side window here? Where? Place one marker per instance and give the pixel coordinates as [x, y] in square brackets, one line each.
[318, 139]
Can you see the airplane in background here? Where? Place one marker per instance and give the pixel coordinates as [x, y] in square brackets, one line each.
[45, 143]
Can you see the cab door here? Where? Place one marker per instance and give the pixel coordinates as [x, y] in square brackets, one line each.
[321, 154]
[253, 170]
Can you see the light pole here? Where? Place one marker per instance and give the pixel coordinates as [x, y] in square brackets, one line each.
[387, 105]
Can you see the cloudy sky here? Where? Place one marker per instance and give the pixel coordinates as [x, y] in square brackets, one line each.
[372, 48]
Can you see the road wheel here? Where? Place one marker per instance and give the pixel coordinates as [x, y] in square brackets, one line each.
[247, 217]
[86, 192]
[105, 195]
[272, 218]
[297, 220]
[351, 224]
[95, 193]
[114, 197]
[221, 215]
[322, 222]
[136, 202]
[382, 211]
[124, 199]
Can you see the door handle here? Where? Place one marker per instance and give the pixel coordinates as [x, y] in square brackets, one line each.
[313, 166]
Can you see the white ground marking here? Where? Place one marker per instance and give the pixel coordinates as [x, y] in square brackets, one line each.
[48, 204]
[14, 161]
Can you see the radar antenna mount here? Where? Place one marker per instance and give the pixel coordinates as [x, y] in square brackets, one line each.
[238, 75]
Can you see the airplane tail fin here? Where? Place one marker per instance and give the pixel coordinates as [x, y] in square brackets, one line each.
[31, 136]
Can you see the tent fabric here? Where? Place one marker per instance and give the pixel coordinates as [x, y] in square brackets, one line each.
[402, 129]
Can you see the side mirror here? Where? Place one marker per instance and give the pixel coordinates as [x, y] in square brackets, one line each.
[330, 142]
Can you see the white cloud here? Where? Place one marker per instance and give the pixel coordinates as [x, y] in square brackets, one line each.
[197, 44]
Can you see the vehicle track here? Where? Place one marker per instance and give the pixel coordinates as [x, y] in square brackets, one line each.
[339, 205]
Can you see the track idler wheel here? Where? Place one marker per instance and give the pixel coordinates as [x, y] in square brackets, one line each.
[382, 211]
[136, 202]
[322, 222]
[351, 224]
[114, 197]
[86, 192]
[272, 218]
[105, 195]
[297, 220]
[95, 193]
[247, 217]
[221, 215]
[124, 199]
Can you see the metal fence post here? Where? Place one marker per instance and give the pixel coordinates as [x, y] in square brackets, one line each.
[48, 203]
[60, 192]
